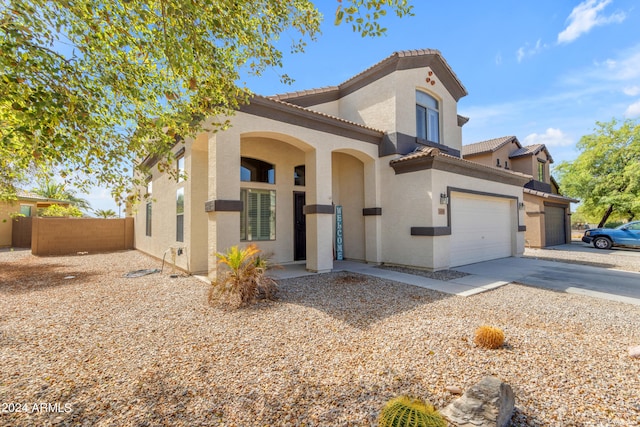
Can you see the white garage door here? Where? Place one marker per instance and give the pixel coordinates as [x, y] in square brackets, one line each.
[481, 228]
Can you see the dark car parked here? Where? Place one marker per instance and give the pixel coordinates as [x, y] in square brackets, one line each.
[624, 235]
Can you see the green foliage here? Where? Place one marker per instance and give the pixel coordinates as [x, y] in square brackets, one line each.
[57, 210]
[51, 190]
[91, 87]
[364, 16]
[101, 213]
[606, 174]
[404, 411]
[489, 337]
[242, 278]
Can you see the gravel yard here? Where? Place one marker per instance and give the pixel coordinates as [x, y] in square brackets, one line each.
[149, 351]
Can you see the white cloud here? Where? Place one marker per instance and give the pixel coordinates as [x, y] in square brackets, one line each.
[551, 138]
[585, 16]
[526, 50]
[633, 110]
[631, 90]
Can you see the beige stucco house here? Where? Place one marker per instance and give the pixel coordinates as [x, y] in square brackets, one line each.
[547, 212]
[26, 205]
[368, 170]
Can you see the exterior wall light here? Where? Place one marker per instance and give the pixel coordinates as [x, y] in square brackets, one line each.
[521, 206]
[444, 199]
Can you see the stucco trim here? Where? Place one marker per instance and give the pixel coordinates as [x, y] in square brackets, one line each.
[372, 211]
[318, 209]
[431, 231]
[223, 206]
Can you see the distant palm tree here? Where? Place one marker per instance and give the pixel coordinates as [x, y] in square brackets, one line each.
[101, 213]
[52, 190]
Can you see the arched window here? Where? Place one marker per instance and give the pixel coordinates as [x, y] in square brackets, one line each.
[427, 117]
[254, 170]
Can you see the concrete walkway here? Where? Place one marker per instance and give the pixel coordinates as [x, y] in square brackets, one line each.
[615, 285]
[464, 286]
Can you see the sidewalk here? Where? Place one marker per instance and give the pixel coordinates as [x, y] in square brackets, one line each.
[464, 286]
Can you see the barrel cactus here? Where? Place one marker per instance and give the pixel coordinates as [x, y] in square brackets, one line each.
[407, 411]
[489, 337]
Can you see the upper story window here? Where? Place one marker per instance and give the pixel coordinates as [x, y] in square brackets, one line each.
[541, 171]
[299, 175]
[427, 117]
[180, 166]
[254, 170]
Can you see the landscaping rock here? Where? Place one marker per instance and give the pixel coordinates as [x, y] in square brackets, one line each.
[634, 352]
[488, 403]
[453, 389]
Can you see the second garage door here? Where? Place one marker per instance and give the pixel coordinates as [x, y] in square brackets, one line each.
[554, 226]
[481, 228]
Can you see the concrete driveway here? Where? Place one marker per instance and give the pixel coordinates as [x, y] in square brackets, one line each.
[599, 282]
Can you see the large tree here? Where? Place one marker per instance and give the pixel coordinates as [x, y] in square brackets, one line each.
[89, 86]
[606, 174]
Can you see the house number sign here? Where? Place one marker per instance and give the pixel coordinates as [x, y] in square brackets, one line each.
[339, 234]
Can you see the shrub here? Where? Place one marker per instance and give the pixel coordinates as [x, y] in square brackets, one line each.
[489, 337]
[57, 210]
[407, 411]
[243, 279]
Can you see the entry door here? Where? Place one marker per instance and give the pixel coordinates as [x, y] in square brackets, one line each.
[299, 227]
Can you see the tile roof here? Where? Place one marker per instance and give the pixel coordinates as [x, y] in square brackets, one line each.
[488, 146]
[434, 152]
[550, 195]
[531, 150]
[22, 194]
[406, 59]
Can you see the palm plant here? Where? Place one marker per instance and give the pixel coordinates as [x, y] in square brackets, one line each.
[52, 190]
[102, 213]
[243, 278]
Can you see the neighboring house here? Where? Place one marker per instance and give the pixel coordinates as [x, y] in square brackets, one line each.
[547, 212]
[27, 204]
[381, 150]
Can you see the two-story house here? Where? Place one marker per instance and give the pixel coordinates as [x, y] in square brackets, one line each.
[368, 170]
[547, 212]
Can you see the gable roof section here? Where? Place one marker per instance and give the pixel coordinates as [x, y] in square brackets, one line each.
[294, 114]
[488, 146]
[402, 60]
[531, 150]
[432, 158]
[33, 197]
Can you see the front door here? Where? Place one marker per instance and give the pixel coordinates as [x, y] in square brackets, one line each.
[299, 227]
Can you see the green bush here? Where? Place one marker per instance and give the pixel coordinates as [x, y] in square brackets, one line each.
[405, 411]
[57, 210]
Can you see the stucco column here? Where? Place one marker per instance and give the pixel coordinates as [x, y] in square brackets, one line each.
[319, 210]
[223, 205]
[372, 214]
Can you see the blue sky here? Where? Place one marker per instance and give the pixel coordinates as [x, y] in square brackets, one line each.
[544, 71]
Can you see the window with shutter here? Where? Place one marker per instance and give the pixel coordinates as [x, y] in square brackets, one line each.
[258, 216]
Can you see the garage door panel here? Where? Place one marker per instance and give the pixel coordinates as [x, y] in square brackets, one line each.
[481, 228]
[554, 226]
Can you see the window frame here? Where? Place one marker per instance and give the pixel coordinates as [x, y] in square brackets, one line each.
[148, 219]
[246, 233]
[30, 210]
[180, 215]
[424, 116]
[541, 170]
[261, 172]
